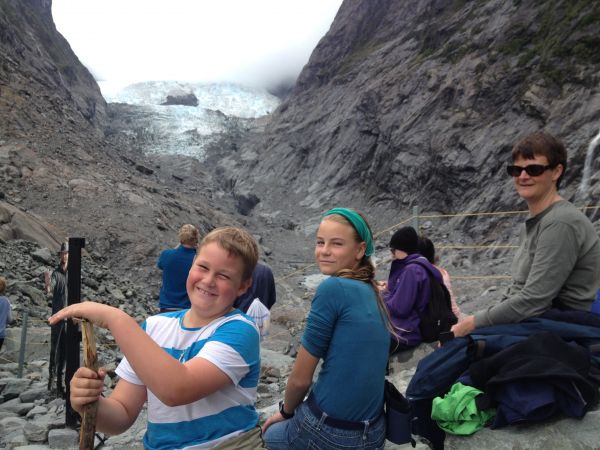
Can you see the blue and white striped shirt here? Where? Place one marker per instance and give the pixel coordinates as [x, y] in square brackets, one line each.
[232, 344]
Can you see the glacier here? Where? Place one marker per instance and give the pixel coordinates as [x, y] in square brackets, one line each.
[180, 129]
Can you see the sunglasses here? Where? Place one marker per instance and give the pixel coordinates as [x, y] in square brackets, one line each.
[533, 170]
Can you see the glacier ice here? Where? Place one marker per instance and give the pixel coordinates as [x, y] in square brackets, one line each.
[178, 129]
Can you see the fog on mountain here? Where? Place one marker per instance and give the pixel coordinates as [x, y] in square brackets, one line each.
[402, 105]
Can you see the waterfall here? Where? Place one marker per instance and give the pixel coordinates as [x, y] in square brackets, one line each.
[587, 167]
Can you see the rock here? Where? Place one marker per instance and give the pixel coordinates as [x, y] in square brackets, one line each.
[275, 364]
[13, 387]
[117, 294]
[25, 226]
[564, 433]
[246, 203]
[38, 343]
[181, 98]
[44, 256]
[63, 438]
[35, 432]
[17, 439]
[31, 447]
[11, 424]
[16, 406]
[37, 296]
[38, 410]
[33, 394]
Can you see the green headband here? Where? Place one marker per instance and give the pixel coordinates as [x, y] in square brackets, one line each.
[358, 223]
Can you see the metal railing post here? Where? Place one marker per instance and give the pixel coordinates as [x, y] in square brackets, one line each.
[73, 335]
[23, 343]
[415, 220]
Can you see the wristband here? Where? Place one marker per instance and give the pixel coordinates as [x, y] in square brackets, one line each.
[283, 413]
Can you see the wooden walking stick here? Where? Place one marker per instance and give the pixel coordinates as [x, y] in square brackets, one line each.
[87, 432]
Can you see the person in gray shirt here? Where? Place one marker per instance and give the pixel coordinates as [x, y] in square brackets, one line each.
[56, 284]
[558, 260]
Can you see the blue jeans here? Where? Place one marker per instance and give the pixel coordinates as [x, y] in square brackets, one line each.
[305, 431]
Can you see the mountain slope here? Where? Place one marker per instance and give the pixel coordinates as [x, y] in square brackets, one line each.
[43, 84]
[62, 164]
[406, 103]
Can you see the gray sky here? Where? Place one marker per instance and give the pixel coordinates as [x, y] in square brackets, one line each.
[256, 42]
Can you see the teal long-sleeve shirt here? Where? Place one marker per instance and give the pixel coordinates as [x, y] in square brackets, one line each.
[347, 330]
[558, 260]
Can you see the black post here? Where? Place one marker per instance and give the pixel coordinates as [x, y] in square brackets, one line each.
[73, 334]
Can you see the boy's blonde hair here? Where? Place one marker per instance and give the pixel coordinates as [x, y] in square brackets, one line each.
[238, 242]
[188, 235]
[2, 285]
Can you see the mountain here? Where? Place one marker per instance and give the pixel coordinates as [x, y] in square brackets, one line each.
[44, 86]
[64, 169]
[401, 104]
[419, 103]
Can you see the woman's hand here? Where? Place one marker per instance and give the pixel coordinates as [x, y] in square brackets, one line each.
[381, 285]
[97, 313]
[86, 387]
[277, 417]
[464, 327]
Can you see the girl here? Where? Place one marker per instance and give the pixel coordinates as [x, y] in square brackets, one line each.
[347, 327]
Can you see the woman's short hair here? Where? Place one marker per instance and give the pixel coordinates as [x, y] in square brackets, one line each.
[2, 285]
[188, 235]
[238, 242]
[542, 143]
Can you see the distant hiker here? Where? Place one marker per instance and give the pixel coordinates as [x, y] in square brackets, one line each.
[175, 264]
[557, 264]
[427, 249]
[262, 288]
[408, 288]
[257, 301]
[347, 327]
[56, 284]
[5, 311]
[198, 368]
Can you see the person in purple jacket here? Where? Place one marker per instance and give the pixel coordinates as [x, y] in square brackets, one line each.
[408, 290]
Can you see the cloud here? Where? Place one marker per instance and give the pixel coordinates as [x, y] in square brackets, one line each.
[258, 42]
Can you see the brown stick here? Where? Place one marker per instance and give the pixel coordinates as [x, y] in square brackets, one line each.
[87, 433]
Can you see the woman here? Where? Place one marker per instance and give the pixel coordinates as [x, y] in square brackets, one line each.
[557, 264]
[347, 327]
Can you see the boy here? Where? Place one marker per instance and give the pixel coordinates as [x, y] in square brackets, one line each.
[197, 368]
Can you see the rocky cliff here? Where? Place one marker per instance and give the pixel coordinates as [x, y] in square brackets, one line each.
[418, 103]
[44, 87]
[62, 166]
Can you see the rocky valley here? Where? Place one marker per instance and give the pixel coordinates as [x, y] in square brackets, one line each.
[402, 105]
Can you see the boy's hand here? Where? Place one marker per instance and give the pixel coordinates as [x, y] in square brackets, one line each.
[86, 387]
[97, 313]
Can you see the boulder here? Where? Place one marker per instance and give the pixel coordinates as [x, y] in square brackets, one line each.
[16, 224]
[63, 438]
[181, 98]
